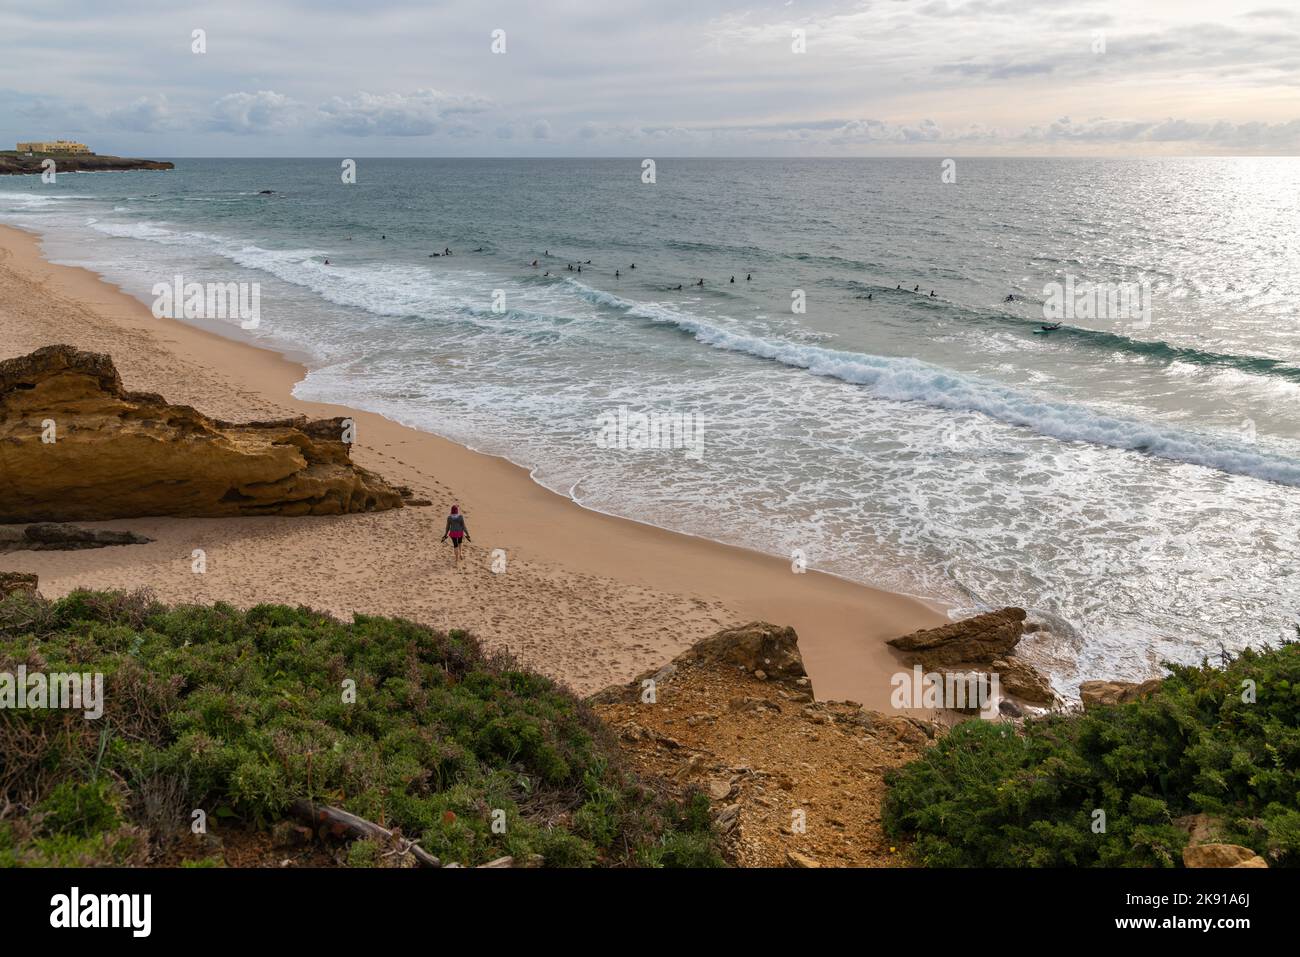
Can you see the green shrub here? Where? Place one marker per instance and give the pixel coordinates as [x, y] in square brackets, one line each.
[987, 795]
[363, 853]
[241, 713]
[80, 810]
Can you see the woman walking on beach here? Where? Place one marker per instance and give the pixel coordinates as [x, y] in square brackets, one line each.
[457, 529]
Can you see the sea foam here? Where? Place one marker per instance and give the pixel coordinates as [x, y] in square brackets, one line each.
[913, 380]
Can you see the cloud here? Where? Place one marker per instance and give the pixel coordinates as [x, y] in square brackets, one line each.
[250, 113]
[148, 114]
[1253, 135]
[690, 77]
[421, 113]
[998, 71]
[876, 131]
[1272, 13]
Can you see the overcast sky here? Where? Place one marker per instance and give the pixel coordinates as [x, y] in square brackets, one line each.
[654, 77]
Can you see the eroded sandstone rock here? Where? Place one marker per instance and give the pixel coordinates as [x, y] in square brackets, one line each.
[972, 640]
[119, 454]
[984, 644]
[53, 536]
[1221, 855]
[756, 647]
[1021, 680]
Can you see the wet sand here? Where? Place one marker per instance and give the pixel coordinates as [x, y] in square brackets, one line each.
[586, 598]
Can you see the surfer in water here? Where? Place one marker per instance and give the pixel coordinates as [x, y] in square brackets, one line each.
[1010, 298]
[456, 529]
[1049, 327]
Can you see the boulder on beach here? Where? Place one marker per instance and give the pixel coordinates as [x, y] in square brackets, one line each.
[985, 644]
[76, 446]
[1022, 680]
[979, 639]
[54, 536]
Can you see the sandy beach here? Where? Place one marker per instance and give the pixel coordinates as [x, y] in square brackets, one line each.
[586, 598]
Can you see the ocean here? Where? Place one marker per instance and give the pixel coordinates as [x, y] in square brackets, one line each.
[1132, 479]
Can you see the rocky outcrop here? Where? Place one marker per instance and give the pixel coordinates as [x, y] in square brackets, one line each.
[50, 536]
[13, 163]
[1022, 680]
[1099, 693]
[763, 651]
[1221, 855]
[971, 640]
[767, 651]
[11, 582]
[734, 718]
[76, 446]
[981, 645]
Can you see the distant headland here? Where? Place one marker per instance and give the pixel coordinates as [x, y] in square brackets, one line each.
[68, 157]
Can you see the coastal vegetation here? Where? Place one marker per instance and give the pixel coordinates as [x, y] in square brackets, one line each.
[243, 714]
[1214, 748]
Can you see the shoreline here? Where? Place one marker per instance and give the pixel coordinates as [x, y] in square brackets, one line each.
[588, 597]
